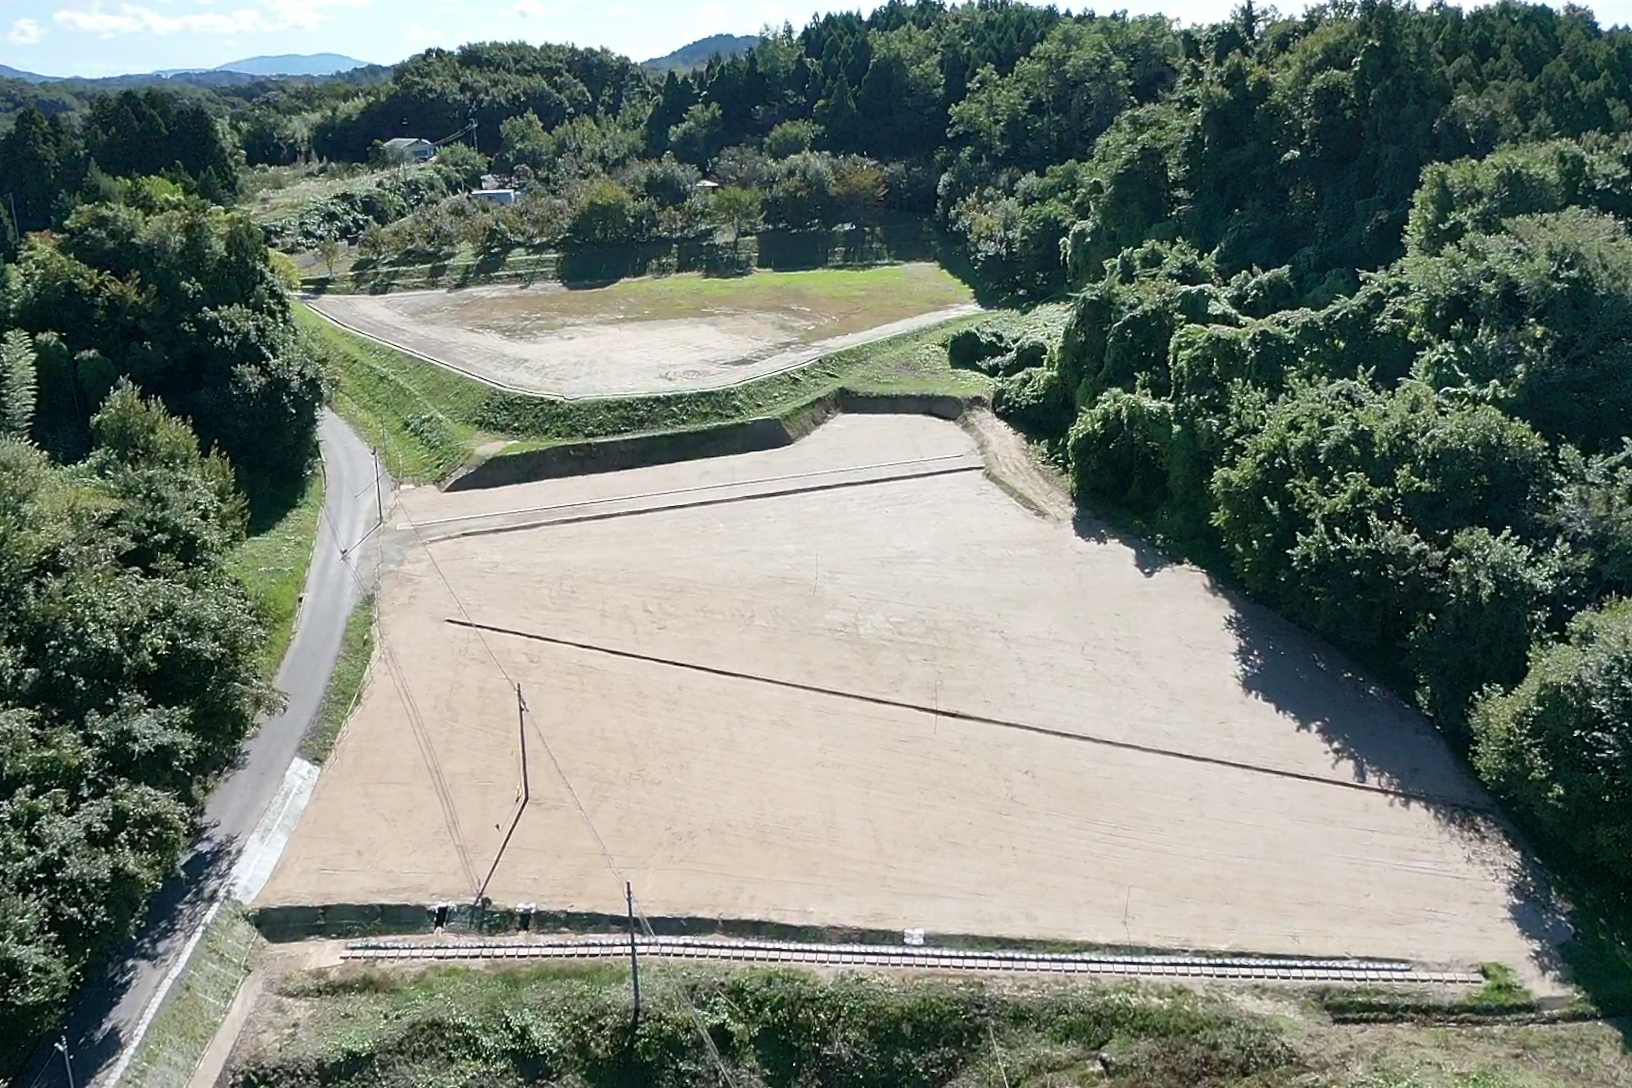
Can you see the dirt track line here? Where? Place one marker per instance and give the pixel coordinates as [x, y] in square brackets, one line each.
[696, 504]
[607, 946]
[666, 492]
[980, 719]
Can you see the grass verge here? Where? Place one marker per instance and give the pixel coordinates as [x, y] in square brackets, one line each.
[429, 421]
[573, 1024]
[182, 1030]
[345, 684]
[272, 562]
[567, 1024]
[1502, 995]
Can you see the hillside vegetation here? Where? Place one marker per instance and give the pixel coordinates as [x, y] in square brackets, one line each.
[156, 407]
[574, 1025]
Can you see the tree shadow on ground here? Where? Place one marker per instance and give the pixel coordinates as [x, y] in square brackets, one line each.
[791, 250]
[270, 498]
[106, 994]
[1377, 739]
[1147, 557]
[487, 265]
[1374, 737]
[1598, 953]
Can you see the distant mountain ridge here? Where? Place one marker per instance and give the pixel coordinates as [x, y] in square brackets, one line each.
[701, 51]
[286, 65]
[17, 73]
[293, 64]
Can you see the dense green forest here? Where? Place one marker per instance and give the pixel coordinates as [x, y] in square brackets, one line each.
[1351, 325]
[145, 325]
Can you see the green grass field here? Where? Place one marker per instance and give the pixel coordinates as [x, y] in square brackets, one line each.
[345, 684]
[873, 295]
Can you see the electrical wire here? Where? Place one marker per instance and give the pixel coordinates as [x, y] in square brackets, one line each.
[583, 813]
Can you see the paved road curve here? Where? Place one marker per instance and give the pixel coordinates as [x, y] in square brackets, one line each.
[112, 1002]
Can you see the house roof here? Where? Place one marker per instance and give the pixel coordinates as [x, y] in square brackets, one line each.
[404, 141]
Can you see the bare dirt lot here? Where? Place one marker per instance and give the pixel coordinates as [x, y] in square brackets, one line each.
[653, 335]
[854, 682]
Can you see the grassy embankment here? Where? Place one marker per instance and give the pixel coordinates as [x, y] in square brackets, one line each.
[828, 301]
[345, 684]
[561, 1024]
[272, 561]
[429, 421]
[182, 1031]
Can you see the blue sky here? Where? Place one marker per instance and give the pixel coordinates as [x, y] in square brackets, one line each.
[107, 37]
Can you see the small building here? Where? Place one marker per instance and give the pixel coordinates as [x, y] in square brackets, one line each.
[410, 149]
[705, 186]
[495, 196]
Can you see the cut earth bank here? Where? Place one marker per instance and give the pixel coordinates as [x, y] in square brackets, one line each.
[853, 682]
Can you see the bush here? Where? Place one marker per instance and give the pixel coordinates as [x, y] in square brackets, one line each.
[971, 347]
[775, 1029]
[603, 214]
[1035, 402]
[790, 138]
[1559, 745]
[1119, 451]
[1538, 319]
[352, 212]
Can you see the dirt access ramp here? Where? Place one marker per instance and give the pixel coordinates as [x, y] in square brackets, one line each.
[652, 336]
[852, 682]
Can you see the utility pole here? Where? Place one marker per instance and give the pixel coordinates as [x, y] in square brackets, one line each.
[521, 732]
[634, 959]
[67, 1065]
[379, 497]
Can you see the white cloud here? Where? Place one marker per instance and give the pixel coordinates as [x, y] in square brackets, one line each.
[137, 19]
[25, 32]
[305, 14]
[125, 18]
[537, 9]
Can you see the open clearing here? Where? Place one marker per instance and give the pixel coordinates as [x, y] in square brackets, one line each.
[667, 335]
[853, 682]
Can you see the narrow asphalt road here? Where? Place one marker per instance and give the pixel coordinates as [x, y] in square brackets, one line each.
[113, 999]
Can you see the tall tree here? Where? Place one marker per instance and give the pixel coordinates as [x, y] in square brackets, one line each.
[39, 169]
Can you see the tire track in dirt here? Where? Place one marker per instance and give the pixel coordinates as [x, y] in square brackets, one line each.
[981, 719]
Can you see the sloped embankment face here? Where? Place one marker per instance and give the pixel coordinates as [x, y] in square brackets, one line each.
[771, 1029]
[719, 440]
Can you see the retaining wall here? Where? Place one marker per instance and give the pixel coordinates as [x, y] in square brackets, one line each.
[345, 921]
